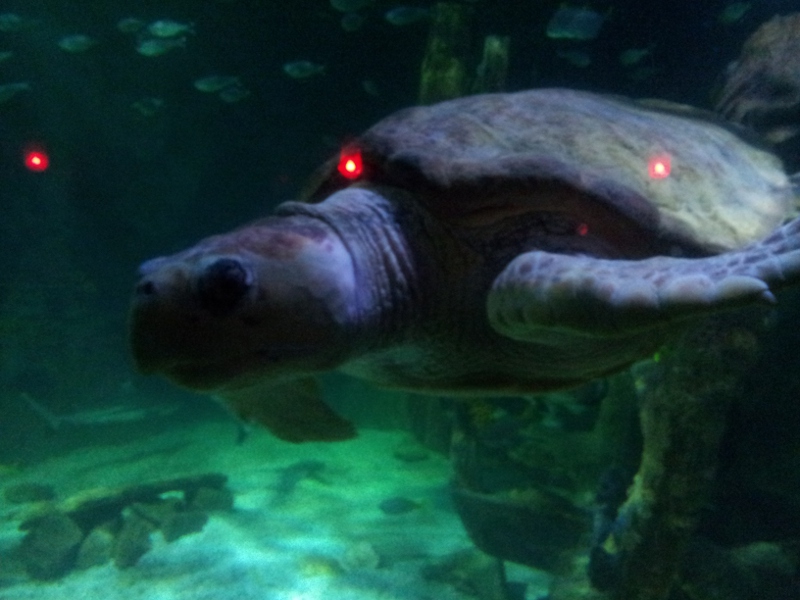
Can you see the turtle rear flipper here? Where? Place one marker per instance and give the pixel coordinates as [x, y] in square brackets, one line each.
[541, 293]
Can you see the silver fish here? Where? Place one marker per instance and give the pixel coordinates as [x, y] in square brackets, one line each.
[303, 69]
[151, 47]
[352, 21]
[167, 28]
[733, 13]
[215, 83]
[76, 43]
[574, 23]
[9, 90]
[147, 107]
[347, 6]
[406, 15]
[10, 22]
[130, 25]
[633, 56]
[234, 93]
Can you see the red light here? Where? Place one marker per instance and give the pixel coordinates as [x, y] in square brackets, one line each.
[659, 167]
[582, 229]
[350, 164]
[36, 160]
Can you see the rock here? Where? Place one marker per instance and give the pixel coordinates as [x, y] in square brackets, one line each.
[360, 555]
[96, 549]
[471, 572]
[23, 493]
[183, 523]
[410, 451]
[133, 540]
[158, 512]
[49, 548]
[209, 499]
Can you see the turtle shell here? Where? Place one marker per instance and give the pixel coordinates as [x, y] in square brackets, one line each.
[676, 174]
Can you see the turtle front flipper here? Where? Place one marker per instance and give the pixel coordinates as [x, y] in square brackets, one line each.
[292, 410]
[540, 294]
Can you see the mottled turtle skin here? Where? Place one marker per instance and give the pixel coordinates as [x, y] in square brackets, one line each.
[494, 244]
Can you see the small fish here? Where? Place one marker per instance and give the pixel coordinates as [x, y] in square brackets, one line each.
[573, 23]
[633, 56]
[406, 15]
[347, 6]
[130, 25]
[157, 46]
[9, 90]
[214, 83]
[76, 43]
[577, 58]
[289, 478]
[147, 107]
[167, 28]
[303, 69]
[5, 55]
[352, 21]
[11, 22]
[234, 93]
[733, 13]
[371, 88]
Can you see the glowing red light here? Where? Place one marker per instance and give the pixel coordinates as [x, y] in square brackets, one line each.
[582, 229]
[350, 163]
[659, 167]
[36, 160]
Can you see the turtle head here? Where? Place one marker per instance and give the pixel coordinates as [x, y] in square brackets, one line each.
[270, 300]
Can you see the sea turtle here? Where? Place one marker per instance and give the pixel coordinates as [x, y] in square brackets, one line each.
[501, 244]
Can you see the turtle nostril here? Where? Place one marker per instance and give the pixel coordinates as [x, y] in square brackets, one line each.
[145, 288]
[221, 285]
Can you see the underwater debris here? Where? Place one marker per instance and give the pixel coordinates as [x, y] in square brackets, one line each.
[574, 23]
[303, 69]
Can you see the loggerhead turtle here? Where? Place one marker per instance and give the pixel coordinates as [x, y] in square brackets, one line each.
[494, 244]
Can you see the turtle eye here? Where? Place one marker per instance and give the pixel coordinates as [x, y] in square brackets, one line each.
[221, 285]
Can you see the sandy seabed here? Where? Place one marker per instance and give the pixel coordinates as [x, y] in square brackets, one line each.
[319, 539]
